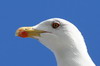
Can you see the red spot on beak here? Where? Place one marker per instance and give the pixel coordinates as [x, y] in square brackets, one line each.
[23, 34]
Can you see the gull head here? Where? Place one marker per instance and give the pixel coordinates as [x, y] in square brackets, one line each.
[62, 38]
[54, 33]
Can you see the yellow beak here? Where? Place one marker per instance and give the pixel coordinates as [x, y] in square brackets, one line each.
[29, 32]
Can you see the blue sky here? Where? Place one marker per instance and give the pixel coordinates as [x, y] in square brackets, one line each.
[16, 51]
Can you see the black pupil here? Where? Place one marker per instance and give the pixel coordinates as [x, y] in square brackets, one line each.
[55, 25]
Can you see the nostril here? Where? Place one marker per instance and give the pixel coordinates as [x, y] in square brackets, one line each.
[25, 29]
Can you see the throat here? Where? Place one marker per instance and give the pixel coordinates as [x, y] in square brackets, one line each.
[72, 58]
[70, 51]
[67, 58]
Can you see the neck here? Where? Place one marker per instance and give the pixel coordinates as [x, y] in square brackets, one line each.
[70, 53]
[72, 57]
[73, 53]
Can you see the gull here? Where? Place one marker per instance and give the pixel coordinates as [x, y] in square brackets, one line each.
[62, 38]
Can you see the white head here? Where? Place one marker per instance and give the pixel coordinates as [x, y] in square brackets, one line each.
[53, 33]
[62, 38]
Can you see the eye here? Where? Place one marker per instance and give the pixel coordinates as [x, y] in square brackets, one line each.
[55, 25]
